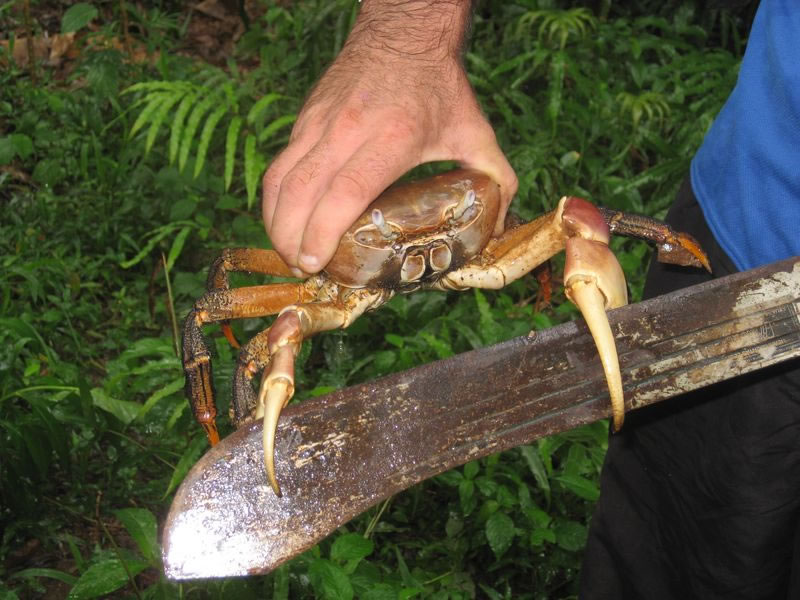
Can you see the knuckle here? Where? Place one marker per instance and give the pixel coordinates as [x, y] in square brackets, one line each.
[352, 184]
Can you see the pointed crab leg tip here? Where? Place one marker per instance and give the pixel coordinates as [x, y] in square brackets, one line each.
[591, 302]
[211, 433]
[694, 248]
[269, 459]
[273, 397]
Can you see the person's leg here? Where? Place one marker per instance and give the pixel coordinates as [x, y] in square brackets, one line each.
[700, 495]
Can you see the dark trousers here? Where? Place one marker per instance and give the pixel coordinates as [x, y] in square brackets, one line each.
[700, 494]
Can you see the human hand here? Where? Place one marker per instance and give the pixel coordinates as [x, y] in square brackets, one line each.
[397, 96]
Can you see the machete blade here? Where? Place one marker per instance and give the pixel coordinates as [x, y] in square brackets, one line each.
[339, 454]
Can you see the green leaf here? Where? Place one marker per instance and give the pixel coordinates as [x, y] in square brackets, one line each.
[537, 469]
[205, 137]
[230, 149]
[124, 410]
[178, 123]
[159, 117]
[177, 246]
[580, 486]
[381, 591]
[275, 126]
[49, 573]
[466, 495]
[16, 144]
[189, 457]
[151, 104]
[77, 16]
[471, 469]
[259, 107]
[540, 536]
[253, 167]
[141, 525]
[105, 577]
[7, 150]
[329, 580]
[351, 546]
[500, 533]
[570, 535]
[191, 128]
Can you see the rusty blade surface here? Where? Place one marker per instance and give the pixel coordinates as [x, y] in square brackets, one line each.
[339, 454]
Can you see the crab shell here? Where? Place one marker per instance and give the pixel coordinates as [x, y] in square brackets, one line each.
[449, 221]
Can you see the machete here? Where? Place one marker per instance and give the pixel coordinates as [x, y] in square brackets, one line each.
[342, 453]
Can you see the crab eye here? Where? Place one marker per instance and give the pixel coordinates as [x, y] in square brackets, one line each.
[466, 202]
[440, 257]
[413, 267]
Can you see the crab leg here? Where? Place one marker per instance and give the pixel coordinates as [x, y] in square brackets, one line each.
[243, 260]
[592, 276]
[220, 305]
[293, 325]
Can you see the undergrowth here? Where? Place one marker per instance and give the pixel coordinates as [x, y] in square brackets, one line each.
[120, 183]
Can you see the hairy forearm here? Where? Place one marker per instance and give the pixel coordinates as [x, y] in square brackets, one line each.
[426, 29]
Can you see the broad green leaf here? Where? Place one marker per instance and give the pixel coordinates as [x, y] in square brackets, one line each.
[541, 535]
[329, 580]
[142, 527]
[351, 546]
[471, 469]
[580, 486]
[570, 535]
[205, 137]
[231, 139]
[77, 16]
[124, 410]
[105, 577]
[499, 533]
[23, 145]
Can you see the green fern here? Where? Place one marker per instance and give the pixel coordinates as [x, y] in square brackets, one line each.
[557, 26]
[193, 111]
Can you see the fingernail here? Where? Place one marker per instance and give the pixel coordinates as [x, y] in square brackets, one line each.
[297, 273]
[309, 263]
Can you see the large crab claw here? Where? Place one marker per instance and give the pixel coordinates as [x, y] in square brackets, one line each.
[594, 282]
[592, 276]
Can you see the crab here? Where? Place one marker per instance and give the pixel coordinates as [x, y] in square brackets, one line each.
[428, 234]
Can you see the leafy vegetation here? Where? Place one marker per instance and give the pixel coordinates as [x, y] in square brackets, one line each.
[121, 180]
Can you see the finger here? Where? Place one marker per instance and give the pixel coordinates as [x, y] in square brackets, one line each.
[300, 190]
[373, 168]
[479, 150]
[271, 182]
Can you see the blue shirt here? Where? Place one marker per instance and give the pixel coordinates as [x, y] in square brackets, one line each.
[746, 175]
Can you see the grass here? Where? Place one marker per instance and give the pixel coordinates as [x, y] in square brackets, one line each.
[109, 224]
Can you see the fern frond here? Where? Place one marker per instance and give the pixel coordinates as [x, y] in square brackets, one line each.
[230, 149]
[205, 137]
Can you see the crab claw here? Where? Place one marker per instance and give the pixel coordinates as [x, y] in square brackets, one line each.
[277, 384]
[277, 388]
[595, 283]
